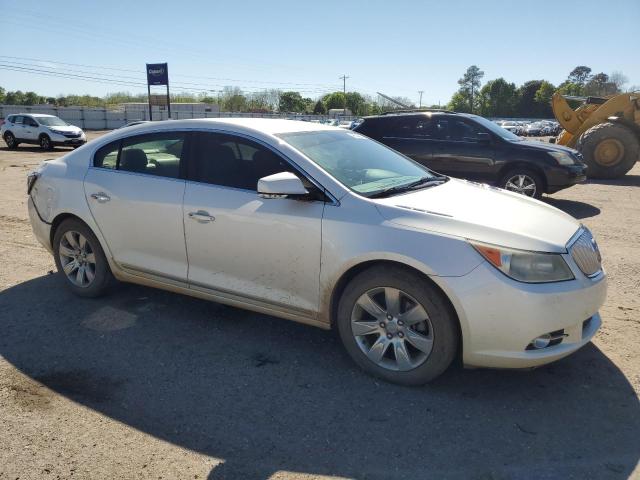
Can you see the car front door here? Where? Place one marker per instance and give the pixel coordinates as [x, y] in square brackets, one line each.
[240, 245]
[463, 149]
[134, 190]
[30, 129]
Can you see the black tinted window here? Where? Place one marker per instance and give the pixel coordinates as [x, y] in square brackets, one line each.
[153, 154]
[18, 119]
[412, 127]
[461, 131]
[233, 161]
[30, 122]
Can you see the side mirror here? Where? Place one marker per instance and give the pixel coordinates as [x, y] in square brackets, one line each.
[281, 185]
[552, 140]
[483, 137]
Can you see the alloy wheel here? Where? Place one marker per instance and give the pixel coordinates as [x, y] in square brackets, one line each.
[77, 259]
[522, 184]
[392, 329]
[45, 142]
[9, 139]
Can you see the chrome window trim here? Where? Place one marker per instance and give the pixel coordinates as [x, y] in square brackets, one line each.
[333, 199]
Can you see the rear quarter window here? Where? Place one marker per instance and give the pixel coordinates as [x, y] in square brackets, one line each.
[107, 156]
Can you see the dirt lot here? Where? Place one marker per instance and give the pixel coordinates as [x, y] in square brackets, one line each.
[147, 384]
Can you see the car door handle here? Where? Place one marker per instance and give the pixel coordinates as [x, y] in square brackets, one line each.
[101, 197]
[201, 216]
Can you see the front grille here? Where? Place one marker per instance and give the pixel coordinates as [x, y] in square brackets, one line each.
[72, 135]
[586, 254]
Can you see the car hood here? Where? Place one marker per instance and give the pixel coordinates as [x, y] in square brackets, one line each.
[482, 213]
[549, 147]
[66, 128]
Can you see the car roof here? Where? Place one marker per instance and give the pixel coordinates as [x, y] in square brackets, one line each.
[39, 115]
[271, 126]
[428, 113]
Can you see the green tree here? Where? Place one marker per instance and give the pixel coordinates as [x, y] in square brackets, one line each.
[498, 98]
[470, 84]
[542, 98]
[319, 108]
[356, 103]
[579, 75]
[459, 103]
[291, 102]
[527, 106]
[14, 98]
[334, 100]
[570, 88]
[2, 95]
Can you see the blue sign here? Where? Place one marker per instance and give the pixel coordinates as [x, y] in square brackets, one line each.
[157, 74]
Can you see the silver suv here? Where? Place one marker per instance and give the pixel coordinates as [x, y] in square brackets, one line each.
[47, 131]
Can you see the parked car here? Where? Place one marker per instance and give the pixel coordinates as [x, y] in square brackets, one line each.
[472, 147]
[534, 129]
[47, 131]
[326, 227]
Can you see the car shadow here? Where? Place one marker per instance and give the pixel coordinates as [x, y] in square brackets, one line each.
[626, 181]
[572, 207]
[267, 395]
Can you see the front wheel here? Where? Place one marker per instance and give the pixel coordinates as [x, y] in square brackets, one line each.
[397, 326]
[45, 143]
[609, 149]
[80, 259]
[523, 181]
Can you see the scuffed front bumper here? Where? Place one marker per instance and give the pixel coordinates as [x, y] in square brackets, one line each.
[41, 229]
[500, 317]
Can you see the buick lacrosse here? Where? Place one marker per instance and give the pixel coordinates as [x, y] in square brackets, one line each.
[326, 227]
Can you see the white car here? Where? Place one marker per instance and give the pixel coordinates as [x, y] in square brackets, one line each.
[48, 131]
[326, 227]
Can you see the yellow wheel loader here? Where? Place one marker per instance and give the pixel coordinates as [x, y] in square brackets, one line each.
[605, 130]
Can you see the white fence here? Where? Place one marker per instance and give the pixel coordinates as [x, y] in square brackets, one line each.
[105, 119]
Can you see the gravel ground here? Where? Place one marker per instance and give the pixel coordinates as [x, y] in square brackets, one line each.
[148, 384]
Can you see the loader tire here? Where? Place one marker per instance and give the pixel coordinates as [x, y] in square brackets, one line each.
[609, 150]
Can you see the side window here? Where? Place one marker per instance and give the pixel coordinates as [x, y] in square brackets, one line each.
[18, 119]
[233, 161]
[107, 156]
[11, 119]
[461, 131]
[30, 122]
[156, 154]
[420, 127]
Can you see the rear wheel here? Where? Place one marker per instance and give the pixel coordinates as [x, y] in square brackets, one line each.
[397, 326]
[80, 259]
[11, 141]
[523, 181]
[609, 150]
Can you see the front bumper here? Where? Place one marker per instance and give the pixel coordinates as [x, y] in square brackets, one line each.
[565, 177]
[61, 140]
[41, 229]
[500, 317]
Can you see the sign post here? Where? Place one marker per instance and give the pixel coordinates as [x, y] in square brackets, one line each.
[158, 74]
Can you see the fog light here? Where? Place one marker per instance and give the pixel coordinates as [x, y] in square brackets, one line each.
[542, 341]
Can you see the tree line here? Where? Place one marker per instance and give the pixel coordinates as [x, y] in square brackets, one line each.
[532, 99]
[496, 98]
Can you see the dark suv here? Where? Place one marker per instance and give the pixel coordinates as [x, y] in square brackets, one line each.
[472, 147]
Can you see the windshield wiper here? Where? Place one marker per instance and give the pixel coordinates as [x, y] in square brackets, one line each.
[423, 182]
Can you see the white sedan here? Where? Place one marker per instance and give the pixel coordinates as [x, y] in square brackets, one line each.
[326, 227]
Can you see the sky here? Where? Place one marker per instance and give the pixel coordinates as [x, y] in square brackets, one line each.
[397, 48]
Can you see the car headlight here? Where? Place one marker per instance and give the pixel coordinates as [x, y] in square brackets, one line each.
[524, 266]
[562, 158]
[59, 132]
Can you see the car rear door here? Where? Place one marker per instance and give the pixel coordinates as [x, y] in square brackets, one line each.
[135, 189]
[409, 135]
[17, 127]
[460, 151]
[264, 251]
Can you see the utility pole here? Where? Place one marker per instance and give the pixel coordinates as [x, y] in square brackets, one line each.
[344, 91]
[420, 92]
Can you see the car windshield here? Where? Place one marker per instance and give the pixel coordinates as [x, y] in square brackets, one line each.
[363, 165]
[498, 130]
[51, 121]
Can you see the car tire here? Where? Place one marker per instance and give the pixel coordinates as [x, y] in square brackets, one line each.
[523, 181]
[609, 149]
[400, 362]
[74, 241]
[11, 141]
[45, 143]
